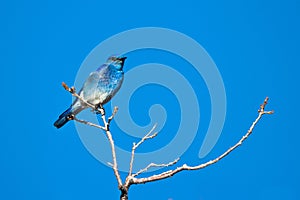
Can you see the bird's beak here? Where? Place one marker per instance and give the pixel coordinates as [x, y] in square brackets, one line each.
[123, 58]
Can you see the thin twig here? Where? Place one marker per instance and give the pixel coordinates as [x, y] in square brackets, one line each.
[155, 165]
[88, 123]
[170, 173]
[149, 135]
[113, 114]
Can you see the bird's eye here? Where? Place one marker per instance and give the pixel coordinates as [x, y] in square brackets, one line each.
[113, 58]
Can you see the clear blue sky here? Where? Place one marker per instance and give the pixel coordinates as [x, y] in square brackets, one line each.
[255, 45]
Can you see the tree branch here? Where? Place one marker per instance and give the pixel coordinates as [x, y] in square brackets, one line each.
[149, 135]
[88, 123]
[115, 165]
[131, 178]
[170, 173]
[100, 110]
[155, 165]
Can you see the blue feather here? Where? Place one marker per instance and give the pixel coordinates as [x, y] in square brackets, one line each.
[63, 118]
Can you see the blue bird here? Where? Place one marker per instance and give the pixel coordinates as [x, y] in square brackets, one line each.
[98, 89]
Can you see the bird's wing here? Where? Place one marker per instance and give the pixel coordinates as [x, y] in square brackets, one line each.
[90, 85]
[101, 67]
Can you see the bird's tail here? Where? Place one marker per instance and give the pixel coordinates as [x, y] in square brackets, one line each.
[63, 118]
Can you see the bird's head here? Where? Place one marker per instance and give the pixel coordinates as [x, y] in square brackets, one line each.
[117, 62]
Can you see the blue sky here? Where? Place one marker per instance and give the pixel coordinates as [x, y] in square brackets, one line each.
[254, 44]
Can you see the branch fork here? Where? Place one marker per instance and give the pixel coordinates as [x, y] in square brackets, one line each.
[131, 178]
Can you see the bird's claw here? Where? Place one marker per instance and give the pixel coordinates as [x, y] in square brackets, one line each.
[70, 117]
[99, 109]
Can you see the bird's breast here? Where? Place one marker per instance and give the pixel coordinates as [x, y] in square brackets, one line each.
[108, 85]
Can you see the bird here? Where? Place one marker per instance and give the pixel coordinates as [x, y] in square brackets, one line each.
[98, 89]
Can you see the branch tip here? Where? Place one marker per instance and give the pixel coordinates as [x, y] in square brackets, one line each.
[65, 86]
[71, 90]
[263, 105]
[116, 109]
[113, 114]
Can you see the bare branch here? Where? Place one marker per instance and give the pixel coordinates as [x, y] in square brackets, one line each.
[170, 173]
[113, 114]
[111, 142]
[101, 110]
[155, 165]
[115, 165]
[88, 123]
[149, 135]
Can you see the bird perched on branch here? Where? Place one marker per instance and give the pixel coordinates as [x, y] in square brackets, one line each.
[98, 89]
